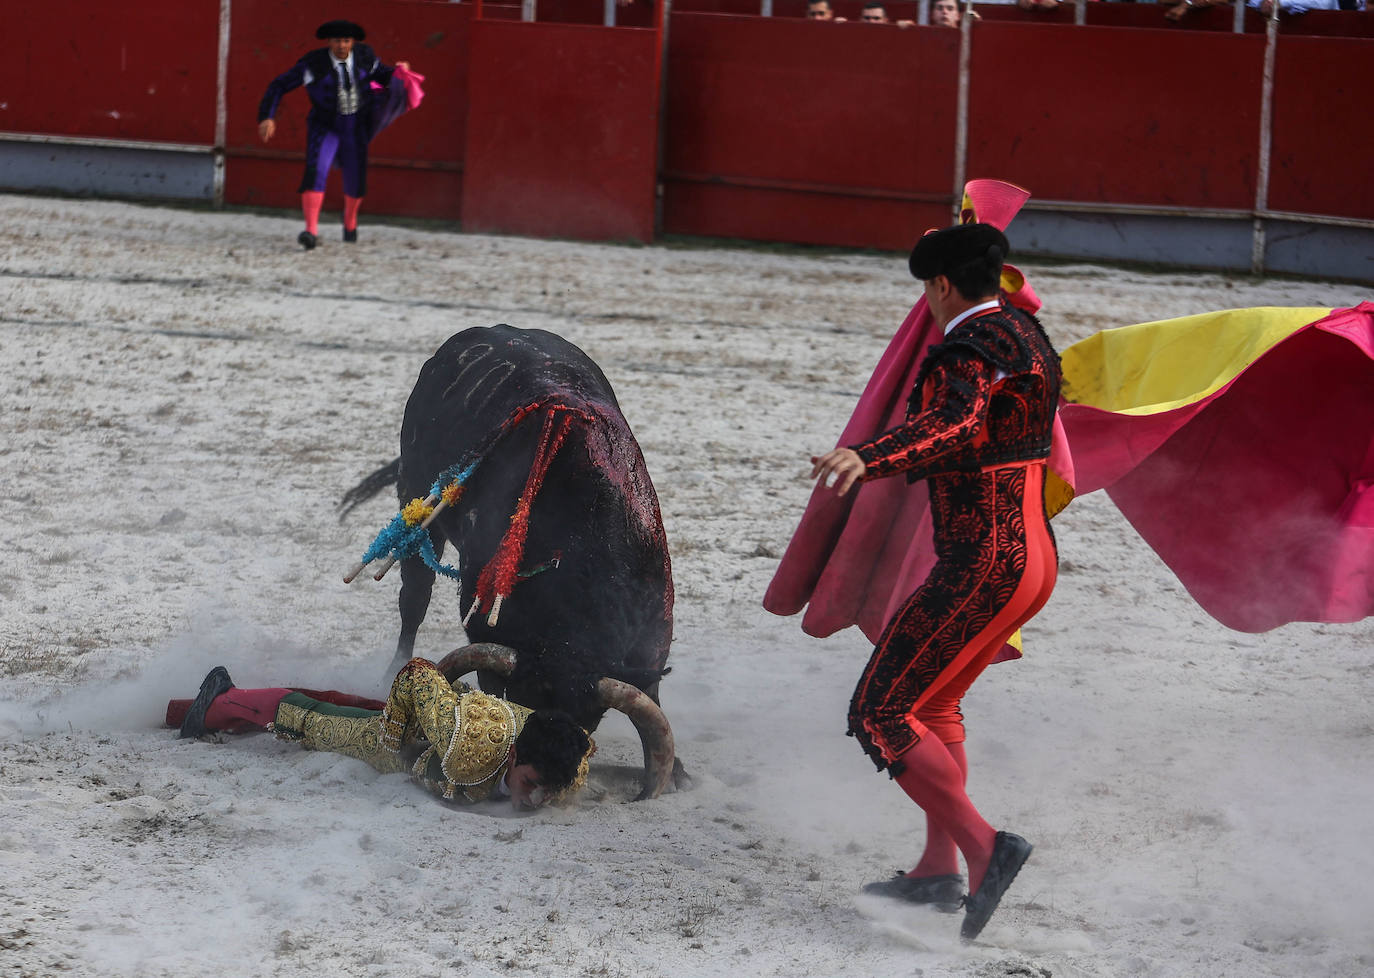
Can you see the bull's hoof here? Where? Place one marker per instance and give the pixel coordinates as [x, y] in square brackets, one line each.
[215, 683]
[307, 240]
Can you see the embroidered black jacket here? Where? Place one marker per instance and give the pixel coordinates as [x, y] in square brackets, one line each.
[985, 396]
[316, 72]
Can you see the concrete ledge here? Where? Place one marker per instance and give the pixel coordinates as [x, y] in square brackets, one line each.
[107, 171]
[1319, 250]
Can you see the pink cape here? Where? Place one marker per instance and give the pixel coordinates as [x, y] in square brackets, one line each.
[397, 97]
[854, 559]
[1259, 496]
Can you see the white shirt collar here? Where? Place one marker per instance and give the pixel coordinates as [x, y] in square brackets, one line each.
[346, 61]
[971, 312]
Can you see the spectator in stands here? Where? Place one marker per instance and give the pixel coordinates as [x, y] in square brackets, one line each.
[1266, 7]
[820, 10]
[944, 13]
[875, 13]
[1044, 5]
[1176, 11]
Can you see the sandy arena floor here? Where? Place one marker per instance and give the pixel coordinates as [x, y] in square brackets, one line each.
[186, 395]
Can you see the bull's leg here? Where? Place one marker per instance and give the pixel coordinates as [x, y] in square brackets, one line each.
[417, 584]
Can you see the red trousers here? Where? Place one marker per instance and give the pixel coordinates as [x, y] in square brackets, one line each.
[995, 568]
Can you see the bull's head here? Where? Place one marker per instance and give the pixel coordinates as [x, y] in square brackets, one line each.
[654, 732]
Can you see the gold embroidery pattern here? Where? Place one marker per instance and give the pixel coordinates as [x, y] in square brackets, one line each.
[473, 731]
[421, 704]
[484, 730]
[349, 735]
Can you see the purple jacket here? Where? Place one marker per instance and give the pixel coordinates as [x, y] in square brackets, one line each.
[316, 72]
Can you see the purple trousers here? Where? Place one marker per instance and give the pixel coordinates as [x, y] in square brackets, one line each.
[344, 145]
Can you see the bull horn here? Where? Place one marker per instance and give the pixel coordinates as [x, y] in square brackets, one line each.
[483, 656]
[653, 728]
[644, 713]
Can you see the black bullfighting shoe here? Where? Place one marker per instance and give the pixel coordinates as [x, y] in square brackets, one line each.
[351, 236]
[1009, 854]
[215, 683]
[944, 892]
[307, 240]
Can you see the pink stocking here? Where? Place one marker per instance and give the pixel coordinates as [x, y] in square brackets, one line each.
[941, 855]
[351, 205]
[311, 202]
[933, 779]
[241, 708]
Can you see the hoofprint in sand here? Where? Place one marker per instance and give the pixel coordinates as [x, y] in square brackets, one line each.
[187, 394]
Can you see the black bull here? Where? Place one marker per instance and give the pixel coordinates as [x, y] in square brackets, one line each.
[560, 549]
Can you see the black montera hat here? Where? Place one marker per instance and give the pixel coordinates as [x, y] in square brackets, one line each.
[949, 249]
[340, 28]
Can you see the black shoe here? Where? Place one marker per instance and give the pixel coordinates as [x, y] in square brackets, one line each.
[215, 683]
[351, 236]
[307, 240]
[1009, 854]
[944, 892]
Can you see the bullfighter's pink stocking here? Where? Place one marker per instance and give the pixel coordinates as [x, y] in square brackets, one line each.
[941, 855]
[311, 202]
[933, 779]
[240, 708]
[351, 205]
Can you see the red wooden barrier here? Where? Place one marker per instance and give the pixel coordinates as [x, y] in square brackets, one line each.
[992, 13]
[776, 128]
[415, 164]
[115, 70]
[1096, 114]
[562, 130]
[787, 130]
[1321, 147]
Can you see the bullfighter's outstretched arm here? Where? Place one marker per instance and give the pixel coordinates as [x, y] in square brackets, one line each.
[953, 415]
[291, 78]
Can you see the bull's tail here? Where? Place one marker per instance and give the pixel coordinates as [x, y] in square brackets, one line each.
[387, 475]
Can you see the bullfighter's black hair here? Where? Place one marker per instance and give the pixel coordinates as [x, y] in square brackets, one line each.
[969, 255]
[554, 745]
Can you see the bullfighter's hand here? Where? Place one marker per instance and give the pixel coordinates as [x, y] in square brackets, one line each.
[403, 64]
[839, 467]
[267, 128]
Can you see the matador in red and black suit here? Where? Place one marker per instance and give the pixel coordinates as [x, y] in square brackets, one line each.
[978, 430]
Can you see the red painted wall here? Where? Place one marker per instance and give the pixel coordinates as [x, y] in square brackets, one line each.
[113, 70]
[1094, 114]
[772, 128]
[562, 130]
[1320, 160]
[789, 130]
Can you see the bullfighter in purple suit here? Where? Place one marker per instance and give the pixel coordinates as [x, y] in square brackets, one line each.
[346, 111]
